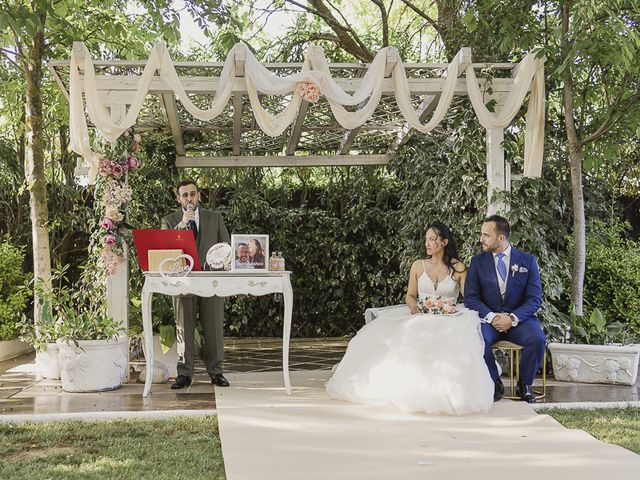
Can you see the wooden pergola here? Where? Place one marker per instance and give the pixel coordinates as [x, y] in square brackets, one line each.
[233, 139]
[315, 138]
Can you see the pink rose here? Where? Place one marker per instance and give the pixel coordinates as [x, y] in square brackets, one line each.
[132, 162]
[110, 239]
[116, 170]
[108, 224]
[104, 167]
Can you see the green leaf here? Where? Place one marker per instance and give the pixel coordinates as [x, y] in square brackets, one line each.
[597, 320]
[167, 337]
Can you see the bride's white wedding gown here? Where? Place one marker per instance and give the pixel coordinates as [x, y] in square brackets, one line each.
[420, 363]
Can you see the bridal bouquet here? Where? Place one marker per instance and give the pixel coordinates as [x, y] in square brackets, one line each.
[437, 306]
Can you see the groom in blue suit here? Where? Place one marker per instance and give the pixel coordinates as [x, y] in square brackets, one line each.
[503, 286]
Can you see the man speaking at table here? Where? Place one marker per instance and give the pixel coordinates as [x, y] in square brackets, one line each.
[208, 228]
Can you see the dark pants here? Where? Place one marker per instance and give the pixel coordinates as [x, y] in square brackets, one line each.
[529, 335]
[210, 311]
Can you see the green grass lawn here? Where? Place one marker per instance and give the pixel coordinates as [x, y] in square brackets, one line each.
[620, 426]
[177, 448]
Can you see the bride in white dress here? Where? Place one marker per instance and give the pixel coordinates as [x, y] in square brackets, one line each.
[420, 362]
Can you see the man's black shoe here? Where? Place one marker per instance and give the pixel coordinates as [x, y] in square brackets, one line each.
[219, 380]
[524, 392]
[498, 392]
[181, 382]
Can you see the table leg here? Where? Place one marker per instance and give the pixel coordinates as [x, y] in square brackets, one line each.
[147, 326]
[287, 292]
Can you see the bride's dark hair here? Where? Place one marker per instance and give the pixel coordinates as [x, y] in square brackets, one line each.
[451, 256]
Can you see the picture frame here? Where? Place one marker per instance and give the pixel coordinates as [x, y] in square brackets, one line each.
[250, 252]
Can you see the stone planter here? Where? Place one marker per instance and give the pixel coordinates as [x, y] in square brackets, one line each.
[13, 348]
[48, 363]
[614, 364]
[97, 365]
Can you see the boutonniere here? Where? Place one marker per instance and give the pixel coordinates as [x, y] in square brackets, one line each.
[515, 268]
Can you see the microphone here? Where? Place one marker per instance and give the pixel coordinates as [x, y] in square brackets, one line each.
[191, 224]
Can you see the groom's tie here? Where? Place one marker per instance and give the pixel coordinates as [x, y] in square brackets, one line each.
[502, 267]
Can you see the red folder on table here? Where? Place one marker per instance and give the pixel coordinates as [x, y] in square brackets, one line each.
[146, 240]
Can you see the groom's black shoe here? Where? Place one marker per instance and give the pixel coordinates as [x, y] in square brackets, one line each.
[181, 382]
[524, 392]
[219, 380]
[498, 392]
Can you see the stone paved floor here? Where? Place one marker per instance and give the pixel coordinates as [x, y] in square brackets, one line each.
[23, 391]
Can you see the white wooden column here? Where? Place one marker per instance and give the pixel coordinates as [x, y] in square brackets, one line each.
[498, 173]
[118, 284]
[498, 169]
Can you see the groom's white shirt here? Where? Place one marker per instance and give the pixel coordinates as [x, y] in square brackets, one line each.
[502, 284]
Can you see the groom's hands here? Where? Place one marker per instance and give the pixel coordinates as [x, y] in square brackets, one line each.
[501, 322]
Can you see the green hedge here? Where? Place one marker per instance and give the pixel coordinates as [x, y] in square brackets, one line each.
[13, 294]
[612, 277]
[342, 262]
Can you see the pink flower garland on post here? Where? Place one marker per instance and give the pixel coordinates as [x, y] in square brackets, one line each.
[116, 193]
[309, 91]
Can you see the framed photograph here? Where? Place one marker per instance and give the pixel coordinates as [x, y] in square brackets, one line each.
[250, 252]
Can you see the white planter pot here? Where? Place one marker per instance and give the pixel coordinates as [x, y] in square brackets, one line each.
[13, 348]
[169, 359]
[612, 364]
[48, 363]
[95, 366]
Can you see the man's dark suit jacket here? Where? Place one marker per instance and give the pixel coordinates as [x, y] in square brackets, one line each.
[212, 230]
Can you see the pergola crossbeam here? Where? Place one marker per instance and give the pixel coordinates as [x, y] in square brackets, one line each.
[209, 85]
[170, 112]
[296, 128]
[281, 161]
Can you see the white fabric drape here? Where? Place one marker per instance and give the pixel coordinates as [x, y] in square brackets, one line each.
[530, 73]
[315, 69]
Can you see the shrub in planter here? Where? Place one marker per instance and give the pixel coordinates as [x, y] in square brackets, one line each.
[594, 351]
[93, 350]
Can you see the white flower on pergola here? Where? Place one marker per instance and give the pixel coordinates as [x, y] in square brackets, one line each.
[240, 113]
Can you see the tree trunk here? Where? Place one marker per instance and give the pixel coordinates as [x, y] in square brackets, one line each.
[575, 159]
[34, 164]
[449, 13]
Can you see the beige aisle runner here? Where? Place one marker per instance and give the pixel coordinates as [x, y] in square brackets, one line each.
[267, 435]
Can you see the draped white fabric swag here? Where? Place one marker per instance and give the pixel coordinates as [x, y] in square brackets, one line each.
[315, 71]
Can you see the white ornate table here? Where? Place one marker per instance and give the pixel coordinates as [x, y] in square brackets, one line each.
[222, 284]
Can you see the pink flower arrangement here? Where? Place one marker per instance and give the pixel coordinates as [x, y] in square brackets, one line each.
[309, 91]
[438, 306]
[115, 194]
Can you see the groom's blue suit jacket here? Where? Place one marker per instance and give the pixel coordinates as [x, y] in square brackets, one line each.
[523, 297]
